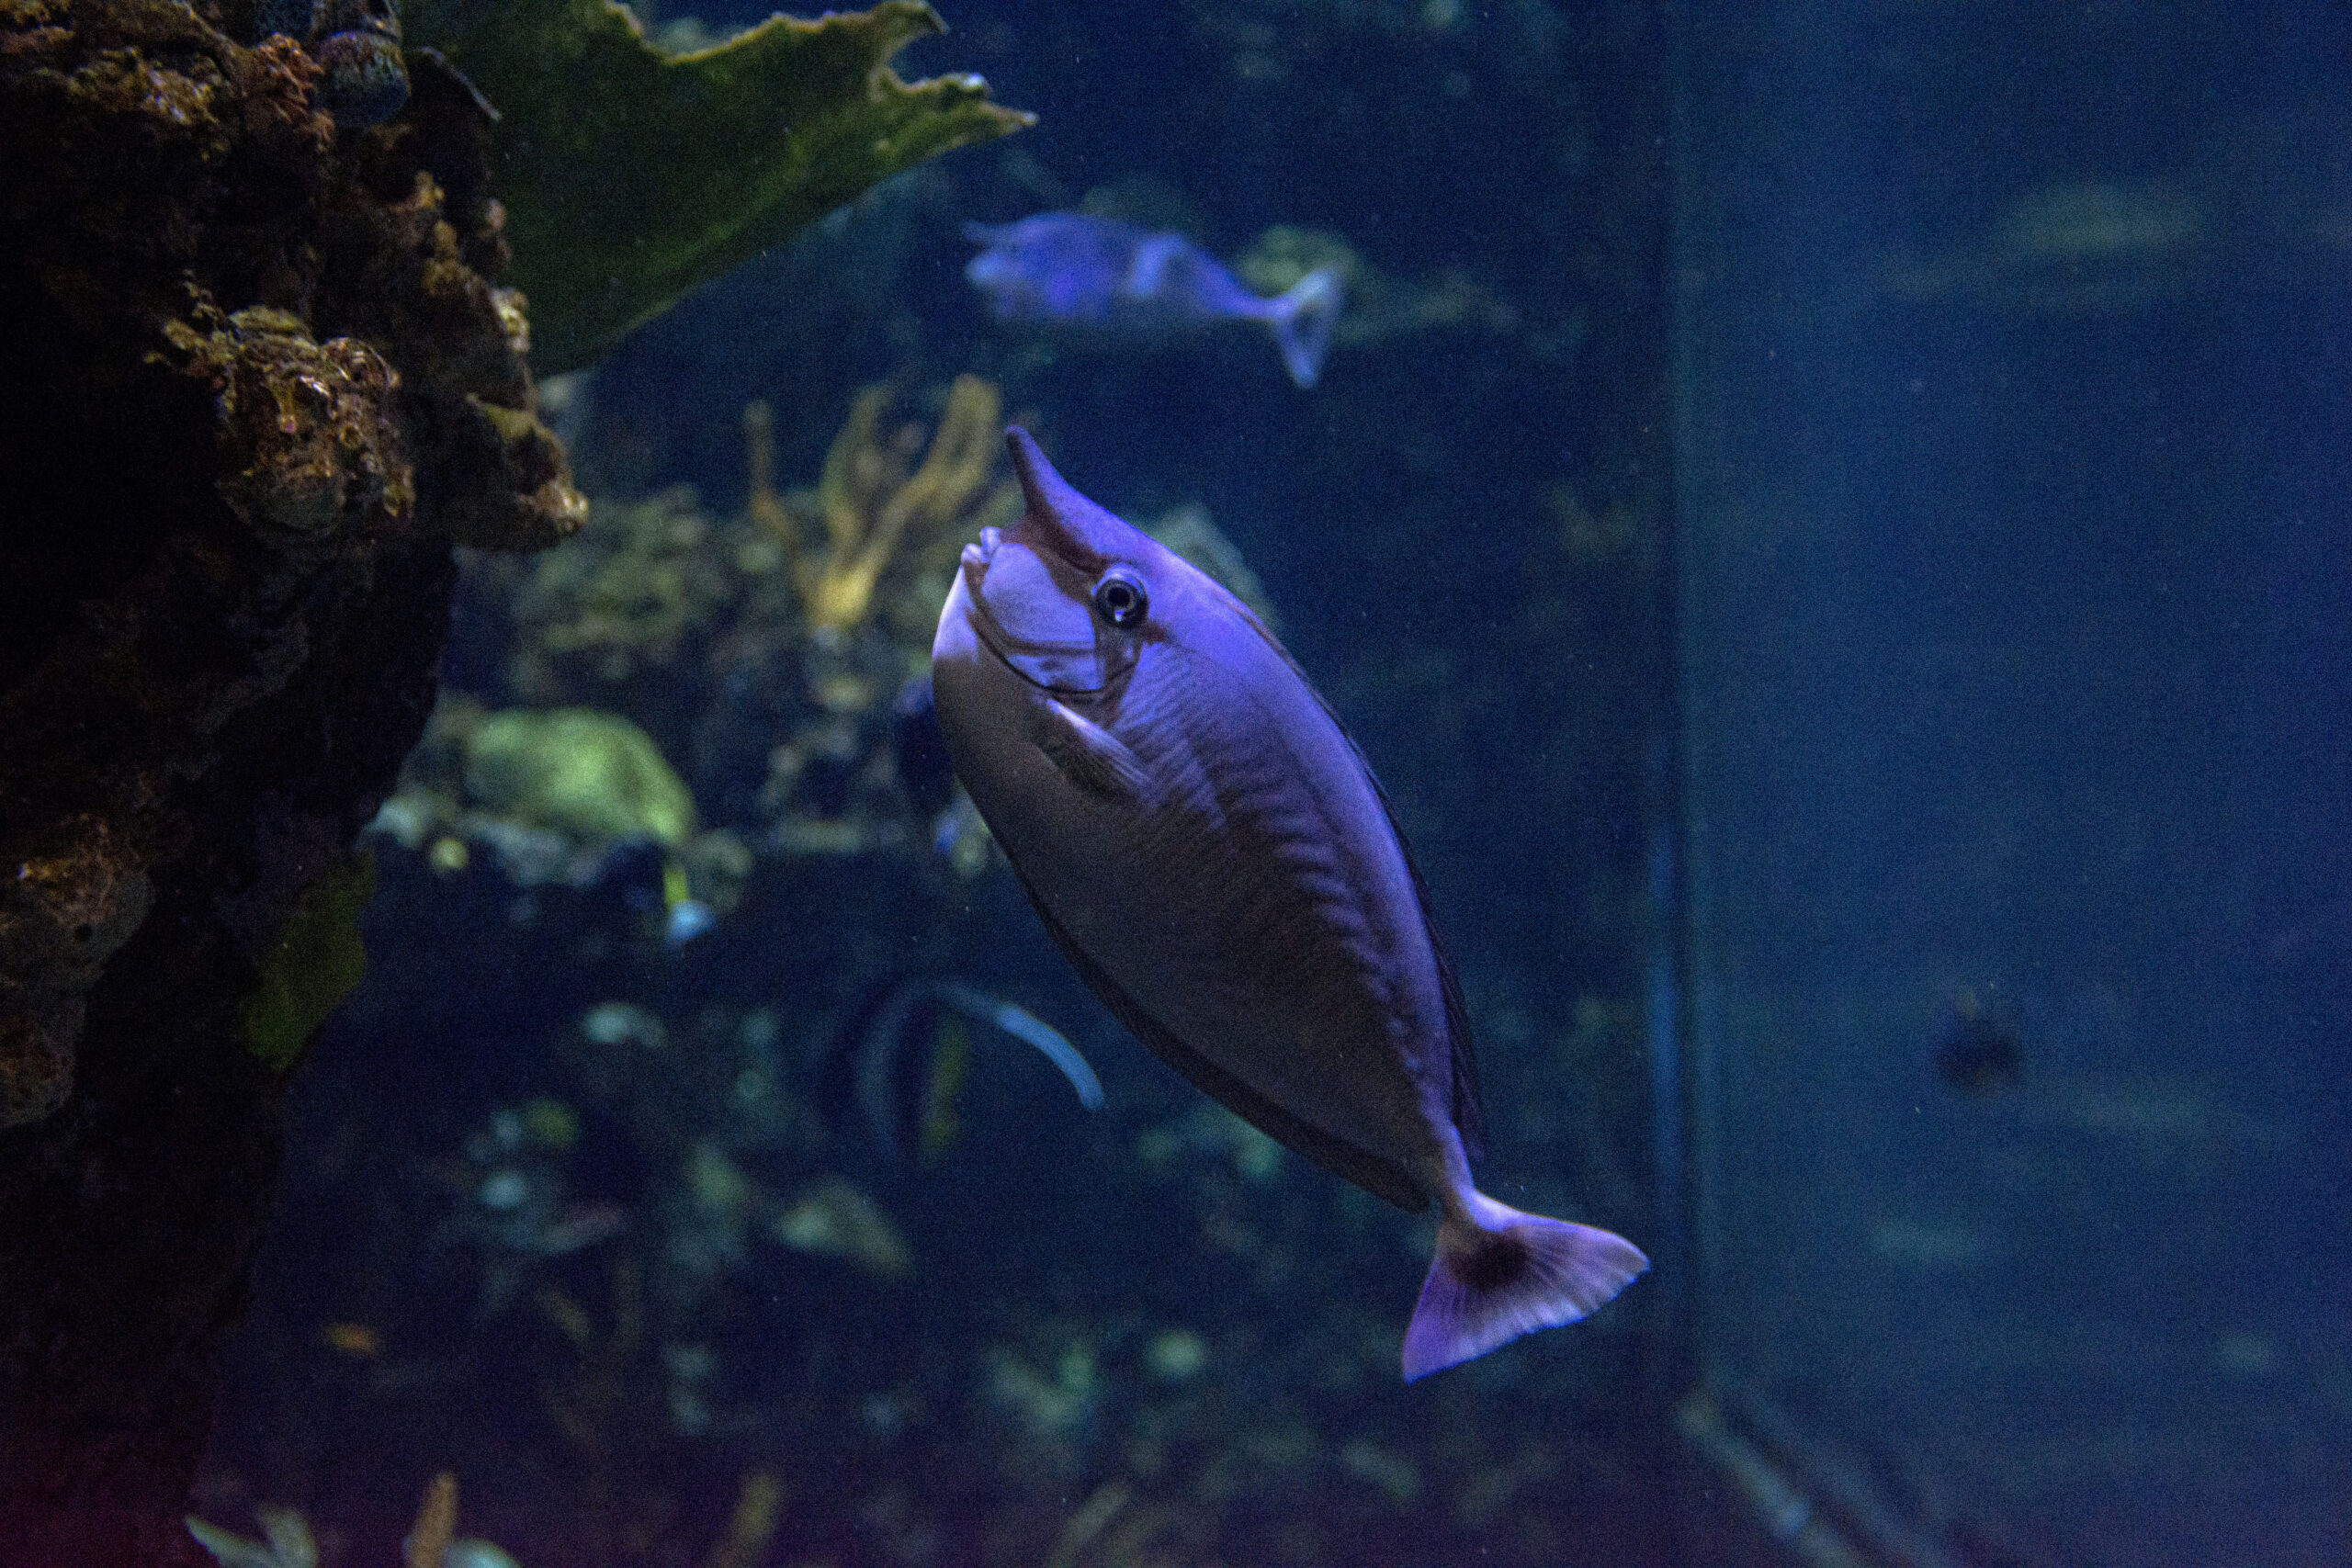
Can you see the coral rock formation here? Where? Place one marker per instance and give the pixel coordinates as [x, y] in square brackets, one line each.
[255, 378]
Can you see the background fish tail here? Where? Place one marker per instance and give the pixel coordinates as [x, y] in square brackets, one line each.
[1499, 1274]
[1302, 319]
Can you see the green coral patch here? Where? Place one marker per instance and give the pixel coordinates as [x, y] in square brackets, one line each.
[589, 775]
[630, 175]
[318, 961]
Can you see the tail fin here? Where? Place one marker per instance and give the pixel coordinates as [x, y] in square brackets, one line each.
[1301, 319]
[1499, 1274]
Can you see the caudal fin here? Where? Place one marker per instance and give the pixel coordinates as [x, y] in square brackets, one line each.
[1301, 319]
[1499, 1274]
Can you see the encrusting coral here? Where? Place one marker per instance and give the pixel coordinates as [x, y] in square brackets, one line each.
[629, 599]
[878, 510]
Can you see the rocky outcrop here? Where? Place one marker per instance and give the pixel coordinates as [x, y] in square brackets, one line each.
[256, 378]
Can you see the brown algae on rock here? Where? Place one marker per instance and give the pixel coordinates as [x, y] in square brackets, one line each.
[257, 376]
[316, 962]
[65, 908]
[630, 175]
[308, 436]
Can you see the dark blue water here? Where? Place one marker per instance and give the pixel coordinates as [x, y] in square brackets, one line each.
[1826, 517]
[2016, 651]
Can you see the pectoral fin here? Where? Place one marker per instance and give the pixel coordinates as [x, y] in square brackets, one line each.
[1087, 755]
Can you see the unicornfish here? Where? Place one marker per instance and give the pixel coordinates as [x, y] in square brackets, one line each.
[1211, 851]
[1073, 270]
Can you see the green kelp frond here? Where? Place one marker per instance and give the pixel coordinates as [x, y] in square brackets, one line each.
[631, 175]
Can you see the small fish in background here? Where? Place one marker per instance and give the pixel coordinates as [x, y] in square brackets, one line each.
[687, 920]
[1070, 269]
[356, 43]
[640, 876]
[901, 1054]
[1977, 1052]
[1211, 853]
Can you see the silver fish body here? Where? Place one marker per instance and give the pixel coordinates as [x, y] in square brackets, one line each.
[1212, 854]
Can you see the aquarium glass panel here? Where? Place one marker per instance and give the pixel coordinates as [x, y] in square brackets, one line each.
[2015, 434]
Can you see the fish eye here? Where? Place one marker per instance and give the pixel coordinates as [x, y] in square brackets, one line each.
[1121, 599]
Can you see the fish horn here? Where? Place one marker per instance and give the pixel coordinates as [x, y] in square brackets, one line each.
[1041, 484]
[1065, 521]
[1499, 1274]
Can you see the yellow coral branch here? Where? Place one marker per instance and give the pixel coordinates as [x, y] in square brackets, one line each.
[759, 1509]
[857, 470]
[877, 515]
[436, 1523]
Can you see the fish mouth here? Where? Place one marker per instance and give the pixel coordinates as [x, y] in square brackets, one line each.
[1066, 667]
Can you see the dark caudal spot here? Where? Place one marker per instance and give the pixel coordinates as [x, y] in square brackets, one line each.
[1492, 1263]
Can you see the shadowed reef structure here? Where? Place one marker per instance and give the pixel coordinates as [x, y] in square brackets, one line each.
[256, 378]
[253, 386]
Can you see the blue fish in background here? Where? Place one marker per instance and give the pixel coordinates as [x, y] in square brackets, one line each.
[1071, 269]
